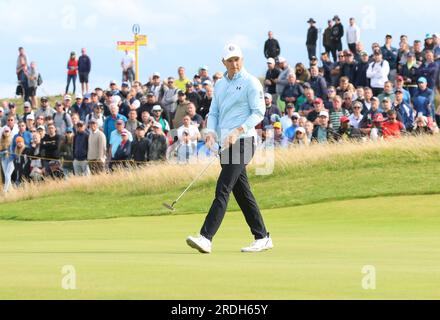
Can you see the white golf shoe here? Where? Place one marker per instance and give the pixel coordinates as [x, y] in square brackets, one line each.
[200, 243]
[259, 245]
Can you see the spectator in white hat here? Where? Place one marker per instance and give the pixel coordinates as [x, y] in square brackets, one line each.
[270, 81]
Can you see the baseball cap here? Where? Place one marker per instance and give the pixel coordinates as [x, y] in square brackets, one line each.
[30, 117]
[399, 91]
[180, 93]
[125, 84]
[296, 115]
[378, 117]
[116, 99]
[113, 82]
[375, 98]
[301, 129]
[271, 61]
[44, 99]
[78, 96]
[70, 129]
[318, 100]
[150, 94]
[428, 36]
[41, 128]
[323, 114]
[364, 53]
[19, 139]
[87, 96]
[277, 125]
[124, 133]
[399, 78]
[157, 108]
[140, 127]
[156, 74]
[93, 120]
[120, 121]
[344, 119]
[268, 96]
[157, 125]
[27, 104]
[435, 35]
[290, 105]
[67, 97]
[410, 54]
[282, 59]
[232, 50]
[204, 67]
[6, 129]
[422, 80]
[207, 83]
[386, 99]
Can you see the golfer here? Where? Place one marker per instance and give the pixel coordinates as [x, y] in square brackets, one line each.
[237, 107]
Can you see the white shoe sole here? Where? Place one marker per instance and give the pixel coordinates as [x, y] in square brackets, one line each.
[255, 251]
[194, 245]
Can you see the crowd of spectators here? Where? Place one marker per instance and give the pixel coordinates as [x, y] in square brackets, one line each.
[348, 95]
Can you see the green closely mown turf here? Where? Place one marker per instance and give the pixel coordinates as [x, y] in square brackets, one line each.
[319, 253]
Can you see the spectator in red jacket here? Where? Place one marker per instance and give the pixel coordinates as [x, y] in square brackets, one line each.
[72, 71]
[392, 128]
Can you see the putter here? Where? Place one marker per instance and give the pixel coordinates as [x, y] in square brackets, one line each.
[171, 206]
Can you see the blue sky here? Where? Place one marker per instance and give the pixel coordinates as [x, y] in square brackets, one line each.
[189, 33]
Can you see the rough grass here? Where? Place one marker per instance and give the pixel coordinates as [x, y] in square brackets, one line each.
[301, 176]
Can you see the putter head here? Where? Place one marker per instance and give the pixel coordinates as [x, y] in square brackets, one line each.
[169, 207]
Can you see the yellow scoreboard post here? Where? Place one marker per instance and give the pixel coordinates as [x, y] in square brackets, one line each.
[139, 40]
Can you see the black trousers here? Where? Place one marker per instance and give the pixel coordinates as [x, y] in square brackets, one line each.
[311, 51]
[233, 177]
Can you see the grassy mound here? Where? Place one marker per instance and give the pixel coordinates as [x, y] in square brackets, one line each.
[301, 176]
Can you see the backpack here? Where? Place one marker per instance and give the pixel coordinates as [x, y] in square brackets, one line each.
[39, 80]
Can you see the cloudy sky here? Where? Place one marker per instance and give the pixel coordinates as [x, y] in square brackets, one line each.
[189, 33]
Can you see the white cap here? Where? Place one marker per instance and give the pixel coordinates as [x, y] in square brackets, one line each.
[157, 125]
[323, 114]
[207, 83]
[30, 117]
[268, 95]
[156, 74]
[232, 50]
[271, 61]
[136, 104]
[157, 108]
[113, 82]
[78, 96]
[116, 99]
[67, 97]
[282, 59]
[301, 129]
[27, 104]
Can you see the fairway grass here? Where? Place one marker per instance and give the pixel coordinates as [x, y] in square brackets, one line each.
[320, 250]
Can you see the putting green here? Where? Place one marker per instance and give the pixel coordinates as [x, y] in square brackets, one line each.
[319, 253]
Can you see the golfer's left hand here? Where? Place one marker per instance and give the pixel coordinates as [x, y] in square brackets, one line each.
[232, 137]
